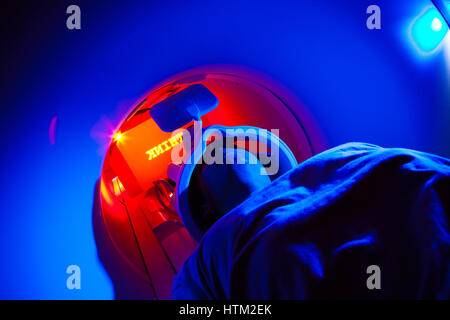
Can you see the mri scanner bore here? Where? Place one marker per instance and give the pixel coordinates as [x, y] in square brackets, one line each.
[145, 179]
[204, 197]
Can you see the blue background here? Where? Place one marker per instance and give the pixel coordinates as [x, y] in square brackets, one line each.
[359, 84]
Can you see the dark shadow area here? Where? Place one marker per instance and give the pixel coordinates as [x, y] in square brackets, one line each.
[127, 284]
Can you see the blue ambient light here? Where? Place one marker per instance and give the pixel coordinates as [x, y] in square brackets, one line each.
[428, 30]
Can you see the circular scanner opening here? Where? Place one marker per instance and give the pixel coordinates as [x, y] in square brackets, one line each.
[135, 191]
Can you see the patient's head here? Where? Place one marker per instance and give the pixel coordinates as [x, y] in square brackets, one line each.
[217, 188]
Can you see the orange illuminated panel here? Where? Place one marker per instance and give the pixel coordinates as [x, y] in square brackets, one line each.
[147, 142]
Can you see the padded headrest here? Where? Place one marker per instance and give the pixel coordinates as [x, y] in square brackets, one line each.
[182, 174]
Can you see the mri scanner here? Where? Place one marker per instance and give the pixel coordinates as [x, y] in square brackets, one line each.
[344, 83]
[142, 195]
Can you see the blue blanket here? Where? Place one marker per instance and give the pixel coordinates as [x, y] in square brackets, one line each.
[356, 221]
